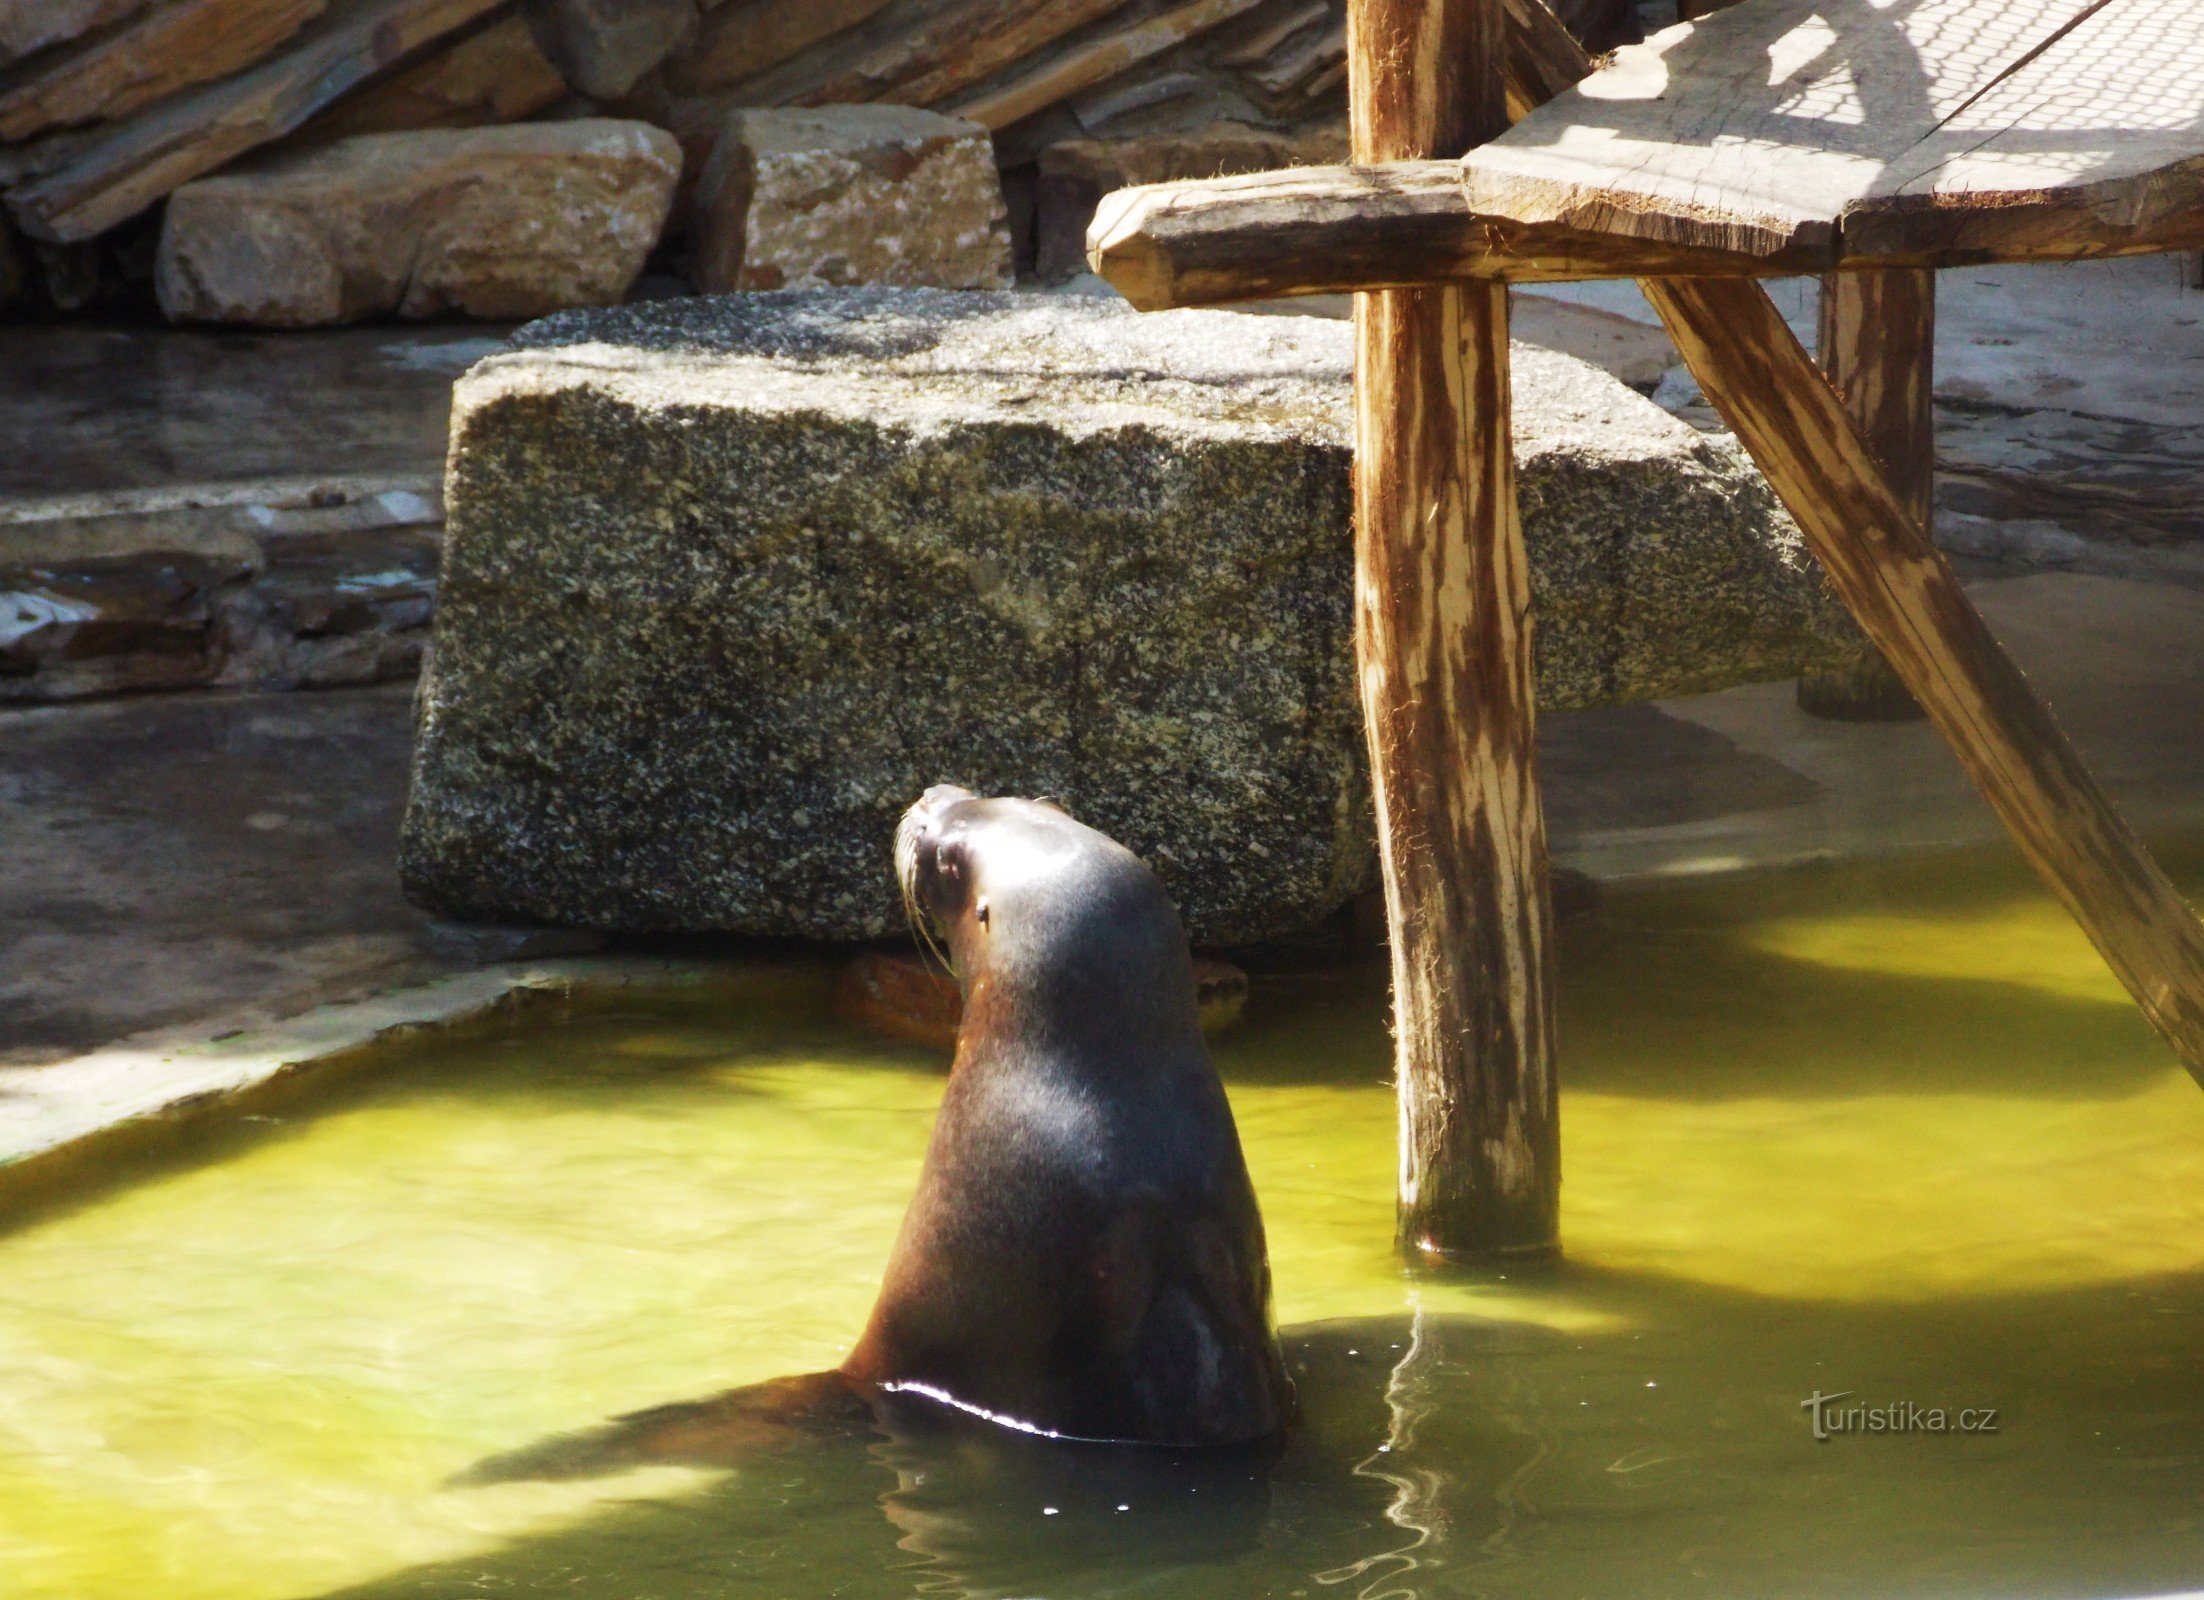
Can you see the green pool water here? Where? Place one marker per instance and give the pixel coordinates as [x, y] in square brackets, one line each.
[1888, 1131]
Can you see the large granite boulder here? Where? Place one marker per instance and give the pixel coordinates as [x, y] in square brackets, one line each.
[728, 582]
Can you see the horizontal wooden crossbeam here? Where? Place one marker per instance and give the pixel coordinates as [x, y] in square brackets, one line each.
[1333, 230]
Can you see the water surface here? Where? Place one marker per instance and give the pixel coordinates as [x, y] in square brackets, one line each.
[1892, 1131]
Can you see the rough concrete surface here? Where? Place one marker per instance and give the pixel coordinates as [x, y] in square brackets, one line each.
[728, 582]
[183, 856]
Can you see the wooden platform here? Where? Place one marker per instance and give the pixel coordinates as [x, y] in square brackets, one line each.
[1777, 137]
[1870, 139]
[1813, 135]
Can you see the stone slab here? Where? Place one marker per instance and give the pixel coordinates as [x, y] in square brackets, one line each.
[728, 582]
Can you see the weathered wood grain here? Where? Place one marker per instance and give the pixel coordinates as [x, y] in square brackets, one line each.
[1878, 347]
[1332, 230]
[1924, 131]
[2095, 143]
[112, 178]
[1443, 655]
[1544, 58]
[170, 49]
[1910, 603]
[1094, 60]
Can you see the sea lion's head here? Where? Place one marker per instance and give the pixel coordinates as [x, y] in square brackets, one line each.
[1048, 921]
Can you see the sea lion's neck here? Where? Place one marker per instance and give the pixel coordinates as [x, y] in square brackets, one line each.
[1072, 1023]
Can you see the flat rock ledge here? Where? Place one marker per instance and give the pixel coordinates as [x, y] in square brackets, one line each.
[727, 582]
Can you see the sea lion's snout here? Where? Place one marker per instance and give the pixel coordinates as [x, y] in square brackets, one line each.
[929, 862]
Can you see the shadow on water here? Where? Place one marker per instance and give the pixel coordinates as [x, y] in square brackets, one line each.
[1666, 1454]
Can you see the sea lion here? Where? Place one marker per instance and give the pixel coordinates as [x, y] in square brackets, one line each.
[1083, 1259]
[1084, 1256]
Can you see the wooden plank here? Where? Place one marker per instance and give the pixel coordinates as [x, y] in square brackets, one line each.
[1878, 348]
[1911, 604]
[2098, 140]
[1443, 651]
[171, 49]
[1094, 61]
[1759, 129]
[1332, 230]
[112, 178]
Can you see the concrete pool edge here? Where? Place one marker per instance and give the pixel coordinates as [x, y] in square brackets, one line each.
[65, 1120]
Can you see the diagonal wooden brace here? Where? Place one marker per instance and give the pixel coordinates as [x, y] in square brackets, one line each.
[1908, 600]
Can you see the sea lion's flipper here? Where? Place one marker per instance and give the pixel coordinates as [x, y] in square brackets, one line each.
[723, 1431]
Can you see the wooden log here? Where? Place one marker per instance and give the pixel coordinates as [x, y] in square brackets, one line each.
[1334, 230]
[1443, 651]
[112, 178]
[495, 74]
[1094, 61]
[171, 49]
[1909, 601]
[1878, 347]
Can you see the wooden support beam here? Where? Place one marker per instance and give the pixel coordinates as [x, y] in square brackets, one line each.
[1443, 650]
[1878, 347]
[1337, 230]
[1906, 596]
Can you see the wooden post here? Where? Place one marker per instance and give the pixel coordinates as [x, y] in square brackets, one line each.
[1878, 346]
[1443, 649]
[1906, 596]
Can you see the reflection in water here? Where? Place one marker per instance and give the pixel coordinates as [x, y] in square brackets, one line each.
[1889, 1131]
[1415, 1506]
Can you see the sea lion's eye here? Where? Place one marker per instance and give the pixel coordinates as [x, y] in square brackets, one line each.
[979, 913]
